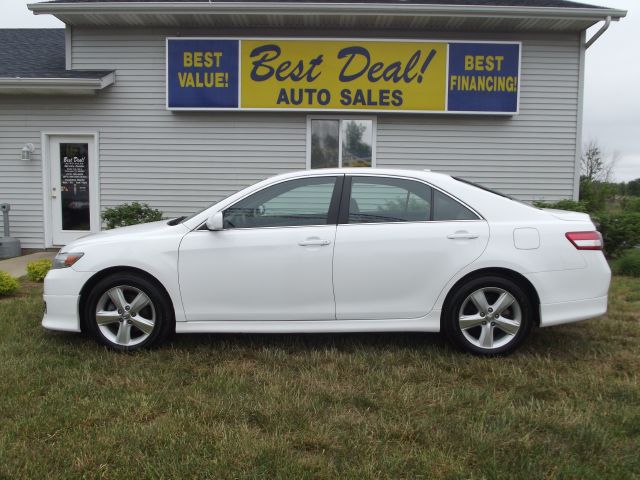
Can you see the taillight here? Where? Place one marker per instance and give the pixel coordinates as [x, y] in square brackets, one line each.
[585, 240]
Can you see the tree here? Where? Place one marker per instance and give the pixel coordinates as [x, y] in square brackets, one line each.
[594, 167]
[596, 190]
[633, 187]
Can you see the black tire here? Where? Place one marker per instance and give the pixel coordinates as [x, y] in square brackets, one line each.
[463, 308]
[156, 317]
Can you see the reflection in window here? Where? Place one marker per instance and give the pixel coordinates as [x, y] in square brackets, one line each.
[357, 138]
[341, 143]
[446, 208]
[389, 200]
[324, 143]
[292, 203]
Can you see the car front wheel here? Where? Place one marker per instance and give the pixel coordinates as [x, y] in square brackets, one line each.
[488, 316]
[127, 312]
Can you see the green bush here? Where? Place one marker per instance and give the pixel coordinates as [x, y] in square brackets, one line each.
[130, 214]
[628, 263]
[564, 205]
[631, 204]
[620, 231]
[8, 284]
[596, 195]
[37, 270]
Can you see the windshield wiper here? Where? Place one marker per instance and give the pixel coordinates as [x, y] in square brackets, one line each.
[176, 221]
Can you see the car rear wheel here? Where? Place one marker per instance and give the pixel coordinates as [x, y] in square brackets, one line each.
[488, 316]
[128, 312]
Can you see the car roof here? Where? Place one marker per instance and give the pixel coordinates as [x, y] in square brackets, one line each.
[403, 172]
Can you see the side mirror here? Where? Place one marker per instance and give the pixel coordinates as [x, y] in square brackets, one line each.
[215, 222]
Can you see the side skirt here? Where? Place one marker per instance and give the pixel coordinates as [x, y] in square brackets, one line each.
[429, 323]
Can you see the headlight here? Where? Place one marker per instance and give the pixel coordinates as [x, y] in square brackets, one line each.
[65, 260]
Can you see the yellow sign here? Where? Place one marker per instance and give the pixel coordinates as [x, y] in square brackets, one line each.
[343, 75]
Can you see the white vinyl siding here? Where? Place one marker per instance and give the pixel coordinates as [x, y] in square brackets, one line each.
[181, 161]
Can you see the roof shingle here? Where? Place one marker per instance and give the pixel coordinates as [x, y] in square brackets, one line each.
[37, 53]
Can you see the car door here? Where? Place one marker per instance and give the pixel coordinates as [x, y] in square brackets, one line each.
[398, 242]
[272, 260]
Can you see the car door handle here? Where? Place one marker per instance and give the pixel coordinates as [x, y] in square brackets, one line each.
[314, 242]
[462, 235]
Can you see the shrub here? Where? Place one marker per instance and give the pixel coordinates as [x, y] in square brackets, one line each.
[628, 263]
[37, 270]
[620, 231]
[130, 214]
[564, 205]
[631, 204]
[8, 284]
[596, 195]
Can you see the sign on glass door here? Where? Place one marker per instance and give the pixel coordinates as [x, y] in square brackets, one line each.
[74, 186]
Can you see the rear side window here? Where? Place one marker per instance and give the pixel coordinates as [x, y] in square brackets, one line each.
[446, 208]
[377, 199]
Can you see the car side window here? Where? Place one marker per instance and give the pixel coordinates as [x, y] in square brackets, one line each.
[377, 199]
[446, 208]
[303, 201]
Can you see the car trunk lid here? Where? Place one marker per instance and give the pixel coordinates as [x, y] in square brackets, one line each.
[568, 215]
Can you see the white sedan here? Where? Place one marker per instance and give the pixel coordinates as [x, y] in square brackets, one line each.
[348, 250]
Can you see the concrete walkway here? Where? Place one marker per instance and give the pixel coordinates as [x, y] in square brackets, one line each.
[17, 266]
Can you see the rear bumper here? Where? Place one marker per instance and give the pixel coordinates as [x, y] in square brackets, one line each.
[574, 294]
[568, 312]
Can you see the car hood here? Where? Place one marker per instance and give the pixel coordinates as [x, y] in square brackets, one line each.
[121, 234]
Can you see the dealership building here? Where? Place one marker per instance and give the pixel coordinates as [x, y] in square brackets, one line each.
[181, 103]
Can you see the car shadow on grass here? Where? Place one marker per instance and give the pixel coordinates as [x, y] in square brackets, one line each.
[564, 341]
[569, 341]
[311, 341]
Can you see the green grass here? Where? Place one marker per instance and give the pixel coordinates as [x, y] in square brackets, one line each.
[324, 406]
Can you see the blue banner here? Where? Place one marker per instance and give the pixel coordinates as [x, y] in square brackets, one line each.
[202, 73]
[483, 77]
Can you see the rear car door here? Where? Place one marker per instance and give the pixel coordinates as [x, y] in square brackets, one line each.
[398, 242]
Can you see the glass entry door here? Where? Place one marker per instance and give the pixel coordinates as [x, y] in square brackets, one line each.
[74, 209]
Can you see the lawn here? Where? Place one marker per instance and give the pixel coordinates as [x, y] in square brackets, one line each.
[322, 406]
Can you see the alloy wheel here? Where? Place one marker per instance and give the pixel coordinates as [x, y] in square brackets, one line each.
[125, 315]
[490, 318]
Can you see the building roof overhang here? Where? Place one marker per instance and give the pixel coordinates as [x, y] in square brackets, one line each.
[72, 82]
[434, 16]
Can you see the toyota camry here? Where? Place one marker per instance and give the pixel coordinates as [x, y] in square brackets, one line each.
[341, 250]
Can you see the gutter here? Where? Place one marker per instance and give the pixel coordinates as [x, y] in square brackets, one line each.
[9, 83]
[317, 8]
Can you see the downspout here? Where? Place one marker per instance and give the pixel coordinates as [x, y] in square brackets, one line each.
[597, 35]
[583, 48]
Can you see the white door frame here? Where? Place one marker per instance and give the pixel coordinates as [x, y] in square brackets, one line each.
[94, 180]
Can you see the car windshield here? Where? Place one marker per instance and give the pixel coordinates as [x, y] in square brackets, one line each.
[487, 189]
[183, 219]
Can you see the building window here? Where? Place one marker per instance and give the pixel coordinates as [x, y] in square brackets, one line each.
[341, 142]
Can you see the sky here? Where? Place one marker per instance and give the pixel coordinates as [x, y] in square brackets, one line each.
[611, 115]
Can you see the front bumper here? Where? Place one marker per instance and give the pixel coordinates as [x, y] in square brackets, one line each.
[61, 313]
[62, 296]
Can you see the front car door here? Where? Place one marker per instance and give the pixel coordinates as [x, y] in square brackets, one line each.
[272, 260]
[398, 242]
